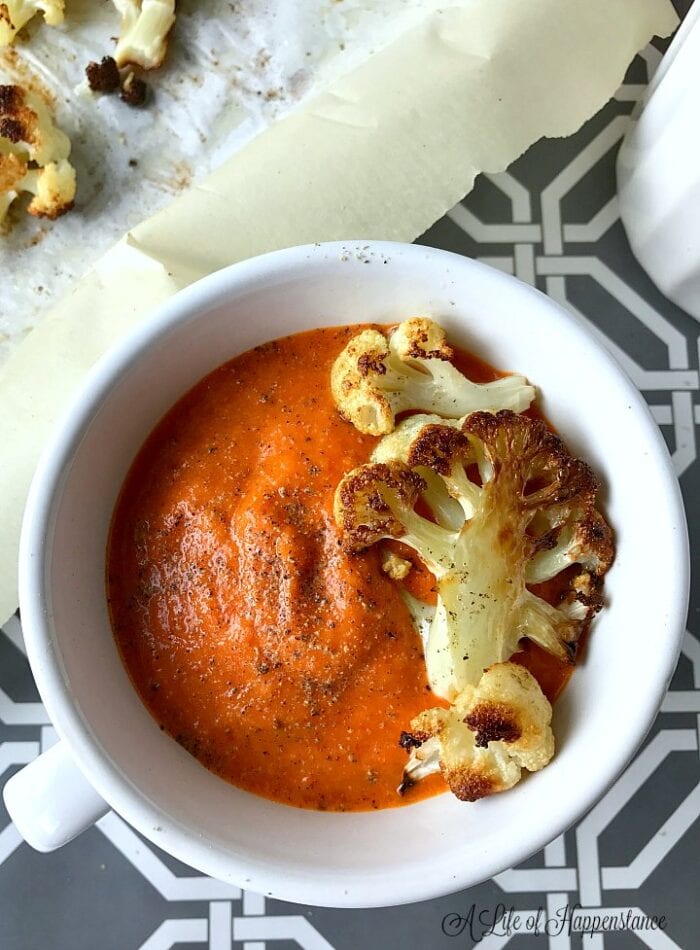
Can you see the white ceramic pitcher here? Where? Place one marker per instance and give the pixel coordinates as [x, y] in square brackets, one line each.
[658, 172]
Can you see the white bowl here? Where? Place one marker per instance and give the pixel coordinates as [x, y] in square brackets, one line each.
[361, 859]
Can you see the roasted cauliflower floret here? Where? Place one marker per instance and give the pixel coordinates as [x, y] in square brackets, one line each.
[14, 14]
[374, 378]
[53, 188]
[27, 128]
[143, 39]
[33, 155]
[487, 737]
[522, 510]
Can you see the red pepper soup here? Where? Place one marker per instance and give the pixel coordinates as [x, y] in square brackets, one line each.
[283, 663]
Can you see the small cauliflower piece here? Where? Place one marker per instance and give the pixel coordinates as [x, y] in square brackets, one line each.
[33, 155]
[14, 14]
[529, 515]
[487, 737]
[145, 25]
[374, 378]
[397, 568]
[53, 188]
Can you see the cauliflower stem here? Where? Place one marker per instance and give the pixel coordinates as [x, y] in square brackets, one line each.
[14, 14]
[145, 25]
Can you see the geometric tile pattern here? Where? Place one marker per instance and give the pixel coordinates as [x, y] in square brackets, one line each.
[552, 220]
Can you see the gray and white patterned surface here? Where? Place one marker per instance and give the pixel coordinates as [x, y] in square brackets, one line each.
[552, 220]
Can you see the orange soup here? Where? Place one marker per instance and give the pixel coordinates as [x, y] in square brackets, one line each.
[283, 663]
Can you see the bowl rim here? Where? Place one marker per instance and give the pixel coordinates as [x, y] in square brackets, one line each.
[104, 773]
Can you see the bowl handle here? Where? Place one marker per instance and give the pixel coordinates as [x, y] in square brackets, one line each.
[50, 800]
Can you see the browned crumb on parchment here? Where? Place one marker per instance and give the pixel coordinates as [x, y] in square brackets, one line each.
[134, 90]
[103, 76]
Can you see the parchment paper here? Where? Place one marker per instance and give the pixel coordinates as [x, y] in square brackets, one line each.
[382, 153]
[232, 69]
